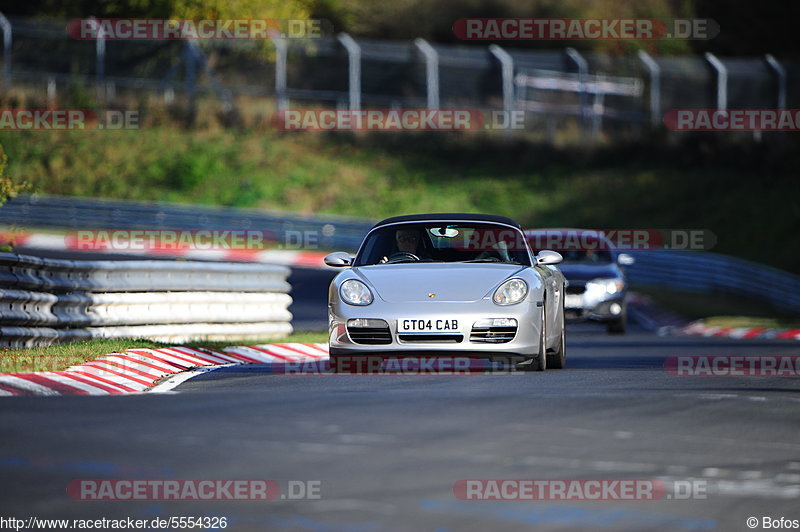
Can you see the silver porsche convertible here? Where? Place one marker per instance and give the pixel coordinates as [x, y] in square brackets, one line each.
[448, 284]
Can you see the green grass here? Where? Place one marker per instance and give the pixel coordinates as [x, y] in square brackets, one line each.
[59, 357]
[723, 310]
[749, 321]
[300, 337]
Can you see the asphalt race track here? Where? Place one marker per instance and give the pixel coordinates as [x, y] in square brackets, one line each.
[387, 450]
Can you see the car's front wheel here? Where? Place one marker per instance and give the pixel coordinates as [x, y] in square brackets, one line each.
[540, 362]
[619, 325]
[558, 359]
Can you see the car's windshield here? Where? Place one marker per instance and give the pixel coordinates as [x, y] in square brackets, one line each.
[444, 242]
[586, 256]
[574, 245]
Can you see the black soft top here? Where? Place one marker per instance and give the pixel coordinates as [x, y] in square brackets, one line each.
[448, 216]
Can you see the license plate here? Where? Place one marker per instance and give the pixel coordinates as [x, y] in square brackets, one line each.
[412, 325]
[573, 301]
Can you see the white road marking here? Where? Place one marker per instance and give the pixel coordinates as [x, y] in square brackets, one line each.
[168, 384]
[75, 383]
[23, 384]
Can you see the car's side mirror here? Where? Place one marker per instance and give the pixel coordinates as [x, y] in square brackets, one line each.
[338, 259]
[623, 259]
[547, 256]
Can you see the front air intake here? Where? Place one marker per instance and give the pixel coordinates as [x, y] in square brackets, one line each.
[492, 335]
[369, 332]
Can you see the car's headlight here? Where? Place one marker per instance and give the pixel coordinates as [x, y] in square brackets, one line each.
[603, 287]
[510, 292]
[355, 292]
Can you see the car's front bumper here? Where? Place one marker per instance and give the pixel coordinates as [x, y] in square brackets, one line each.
[592, 310]
[524, 345]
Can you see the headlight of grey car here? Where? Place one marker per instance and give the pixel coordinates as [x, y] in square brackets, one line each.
[510, 292]
[600, 288]
[354, 292]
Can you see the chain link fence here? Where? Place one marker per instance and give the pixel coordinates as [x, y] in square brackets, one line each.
[558, 89]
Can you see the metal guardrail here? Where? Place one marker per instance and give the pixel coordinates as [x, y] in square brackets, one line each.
[45, 301]
[65, 212]
[707, 273]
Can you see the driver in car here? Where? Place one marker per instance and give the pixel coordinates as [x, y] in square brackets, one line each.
[407, 241]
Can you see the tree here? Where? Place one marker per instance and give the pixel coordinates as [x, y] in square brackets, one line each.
[8, 189]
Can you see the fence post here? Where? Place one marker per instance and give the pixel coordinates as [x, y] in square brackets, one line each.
[191, 69]
[5, 25]
[190, 62]
[431, 71]
[353, 69]
[281, 53]
[507, 64]
[722, 80]
[780, 71]
[51, 91]
[655, 87]
[583, 71]
[100, 60]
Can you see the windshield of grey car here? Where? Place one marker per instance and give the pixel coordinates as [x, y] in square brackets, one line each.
[586, 256]
[444, 242]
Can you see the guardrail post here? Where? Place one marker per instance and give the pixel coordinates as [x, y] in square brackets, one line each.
[722, 80]
[5, 26]
[507, 64]
[353, 69]
[281, 55]
[655, 87]
[583, 71]
[431, 71]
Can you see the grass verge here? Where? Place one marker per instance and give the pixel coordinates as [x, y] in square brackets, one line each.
[749, 321]
[59, 357]
[722, 310]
